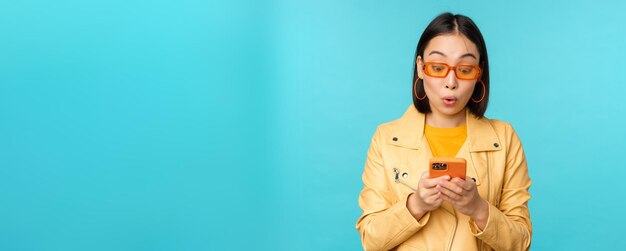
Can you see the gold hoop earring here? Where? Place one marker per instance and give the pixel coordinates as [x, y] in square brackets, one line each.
[484, 92]
[415, 90]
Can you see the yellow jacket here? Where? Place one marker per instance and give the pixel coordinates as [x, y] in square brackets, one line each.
[399, 154]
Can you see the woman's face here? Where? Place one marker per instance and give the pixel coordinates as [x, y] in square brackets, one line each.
[449, 95]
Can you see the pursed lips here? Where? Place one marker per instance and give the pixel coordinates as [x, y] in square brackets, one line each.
[449, 100]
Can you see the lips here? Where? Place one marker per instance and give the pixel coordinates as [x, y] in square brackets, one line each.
[449, 100]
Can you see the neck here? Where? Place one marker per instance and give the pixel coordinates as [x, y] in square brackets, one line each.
[436, 119]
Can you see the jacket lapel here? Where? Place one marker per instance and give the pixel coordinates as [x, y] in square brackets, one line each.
[480, 134]
[481, 140]
[410, 129]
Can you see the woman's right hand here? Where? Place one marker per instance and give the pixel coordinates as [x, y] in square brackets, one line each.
[427, 197]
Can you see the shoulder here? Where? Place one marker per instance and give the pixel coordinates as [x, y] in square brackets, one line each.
[406, 125]
[504, 130]
[385, 131]
[388, 126]
[500, 126]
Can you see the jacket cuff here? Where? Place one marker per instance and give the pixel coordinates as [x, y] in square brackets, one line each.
[401, 211]
[490, 232]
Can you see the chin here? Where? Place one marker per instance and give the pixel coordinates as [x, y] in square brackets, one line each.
[451, 111]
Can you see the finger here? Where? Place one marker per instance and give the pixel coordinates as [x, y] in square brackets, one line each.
[431, 183]
[449, 199]
[466, 184]
[425, 181]
[425, 193]
[433, 198]
[451, 186]
[469, 183]
[448, 193]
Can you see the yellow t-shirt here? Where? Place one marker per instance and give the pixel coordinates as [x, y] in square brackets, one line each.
[445, 142]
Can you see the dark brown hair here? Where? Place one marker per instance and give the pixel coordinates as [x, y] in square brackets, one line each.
[447, 23]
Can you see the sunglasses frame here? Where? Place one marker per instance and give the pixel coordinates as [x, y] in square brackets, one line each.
[450, 68]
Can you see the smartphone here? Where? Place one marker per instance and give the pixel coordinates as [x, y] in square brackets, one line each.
[453, 167]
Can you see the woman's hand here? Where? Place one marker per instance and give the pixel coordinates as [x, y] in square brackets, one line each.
[426, 198]
[463, 195]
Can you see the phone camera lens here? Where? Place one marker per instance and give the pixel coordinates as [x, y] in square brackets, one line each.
[439, 166]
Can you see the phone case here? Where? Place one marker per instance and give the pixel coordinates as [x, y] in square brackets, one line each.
[454, 167]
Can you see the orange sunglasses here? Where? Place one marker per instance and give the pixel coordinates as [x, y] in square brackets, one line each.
[441, 70]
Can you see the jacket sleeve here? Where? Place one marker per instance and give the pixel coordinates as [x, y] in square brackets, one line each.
[508, 226]
[386, 221]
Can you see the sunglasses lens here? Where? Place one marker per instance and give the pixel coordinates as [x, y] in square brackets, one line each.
[436, 70]
[467, 72]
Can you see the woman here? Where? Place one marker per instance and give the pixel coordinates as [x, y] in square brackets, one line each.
[404, 208]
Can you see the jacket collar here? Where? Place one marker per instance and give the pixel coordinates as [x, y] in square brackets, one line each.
[409, 131]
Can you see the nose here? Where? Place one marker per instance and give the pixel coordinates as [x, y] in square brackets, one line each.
[450, 81]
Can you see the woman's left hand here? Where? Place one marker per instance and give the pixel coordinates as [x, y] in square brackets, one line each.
[463, 195]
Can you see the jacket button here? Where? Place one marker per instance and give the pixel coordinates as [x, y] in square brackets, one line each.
[404, 175]
[395, 139]
[496, 144]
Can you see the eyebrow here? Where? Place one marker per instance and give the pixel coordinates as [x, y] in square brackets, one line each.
[462, 56]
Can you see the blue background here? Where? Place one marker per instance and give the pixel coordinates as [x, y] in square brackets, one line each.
[195, 125]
